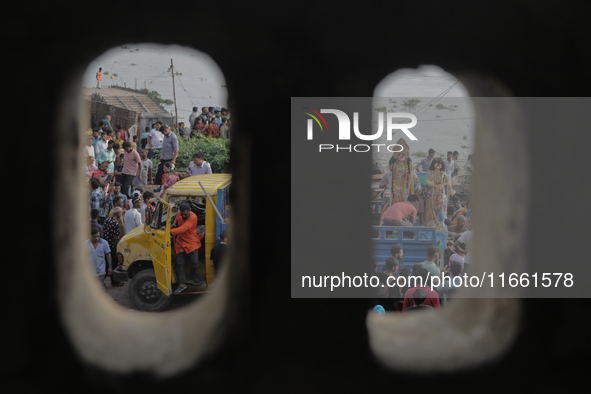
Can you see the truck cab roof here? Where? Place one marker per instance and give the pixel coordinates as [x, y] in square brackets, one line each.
[189, 187]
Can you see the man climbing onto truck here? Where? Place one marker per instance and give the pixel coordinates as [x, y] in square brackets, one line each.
[402, 213]
[186, 246]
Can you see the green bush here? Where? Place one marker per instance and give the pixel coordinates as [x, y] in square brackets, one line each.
[215, 150]
[156, 96]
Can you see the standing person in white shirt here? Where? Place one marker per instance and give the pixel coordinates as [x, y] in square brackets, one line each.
[450, 164]
[89, 168]
[204, 115]
[193, 116]
[456, 155]
[468, 166]
[155, 138]
[426, 162]
[466, 239]
[132, 217]
[89, 148]
[102, 144]
[146, 170]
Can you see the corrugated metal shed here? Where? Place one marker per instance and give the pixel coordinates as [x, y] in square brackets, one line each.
[129, 99]
[137, 106]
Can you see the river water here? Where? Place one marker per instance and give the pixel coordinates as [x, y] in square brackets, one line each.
[146, 65]
[449, 127]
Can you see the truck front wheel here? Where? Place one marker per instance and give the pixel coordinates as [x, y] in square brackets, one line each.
[144, 292]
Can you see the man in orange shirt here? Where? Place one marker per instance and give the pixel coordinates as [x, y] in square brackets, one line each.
[459, 210]
[186, 246]
[99, 78]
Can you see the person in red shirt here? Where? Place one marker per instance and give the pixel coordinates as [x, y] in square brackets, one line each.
[401, 213]
[198, 128]
[121, 133]
[101, 173]
[186, 245]
[419, 296]
[432, 296]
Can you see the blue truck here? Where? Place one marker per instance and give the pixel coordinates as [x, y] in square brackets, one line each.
[414, 241]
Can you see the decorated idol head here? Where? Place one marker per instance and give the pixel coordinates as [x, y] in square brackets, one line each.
[403, 153]
[437, 165]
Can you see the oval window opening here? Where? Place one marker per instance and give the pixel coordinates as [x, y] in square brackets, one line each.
[137, 96]
[421, 189]
[163, 110]
[422, 204]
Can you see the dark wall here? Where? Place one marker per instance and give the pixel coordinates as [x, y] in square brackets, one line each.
[269, 54]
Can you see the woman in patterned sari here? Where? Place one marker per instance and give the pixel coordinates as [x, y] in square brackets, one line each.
[112, 234]
[198, 128]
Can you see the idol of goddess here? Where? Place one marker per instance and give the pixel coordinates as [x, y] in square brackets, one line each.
[435, 193]
[401, 179]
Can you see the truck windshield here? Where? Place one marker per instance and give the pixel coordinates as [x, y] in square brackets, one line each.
[176, 200]
[156, 216]
[163, 215]
[160, 216]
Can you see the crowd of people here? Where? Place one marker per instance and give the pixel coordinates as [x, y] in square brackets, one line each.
[407, 203]
[118, 171]
[212, 122]
[395, 294]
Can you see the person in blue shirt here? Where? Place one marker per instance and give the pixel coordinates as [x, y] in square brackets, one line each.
[218, 117]
[97, 198]
[99, 254]
[144, 137]
[107, 121]
[108, 155]
[96, 137]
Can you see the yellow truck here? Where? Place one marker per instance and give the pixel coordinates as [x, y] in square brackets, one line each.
[145, 254]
